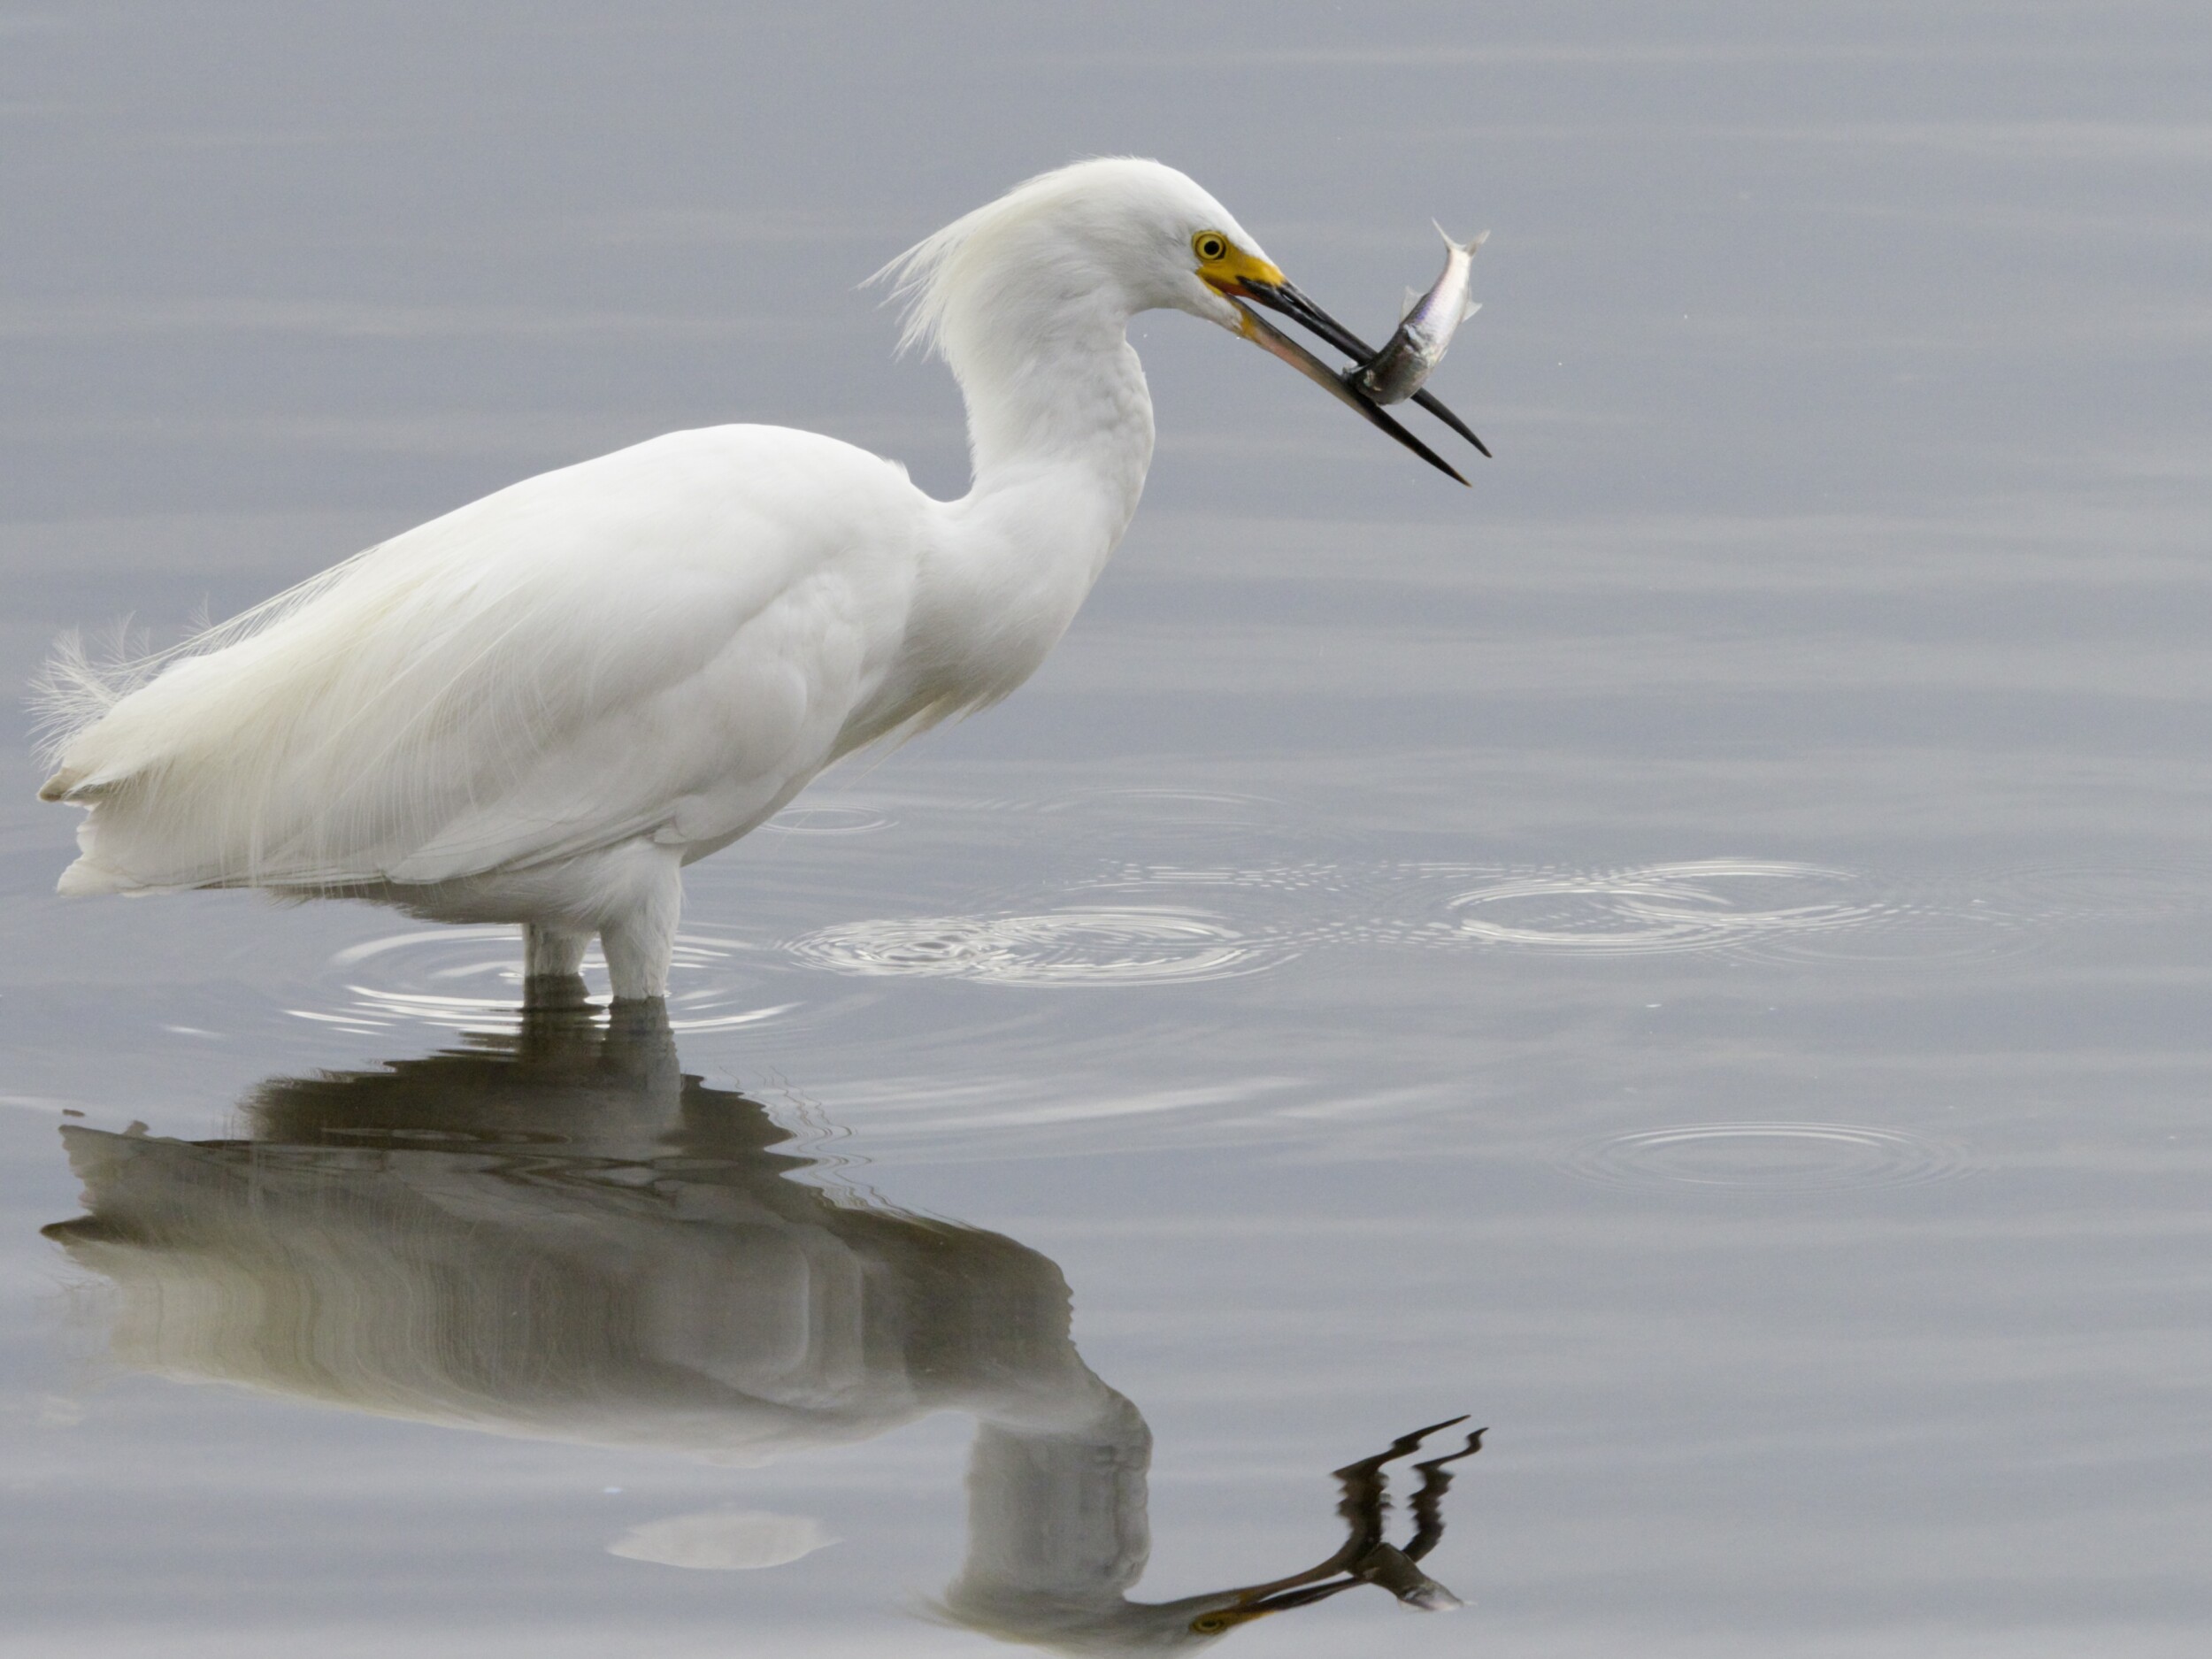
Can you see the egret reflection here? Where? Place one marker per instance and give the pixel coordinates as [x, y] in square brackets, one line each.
[557, 1234]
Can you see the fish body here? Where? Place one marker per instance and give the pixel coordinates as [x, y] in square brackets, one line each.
[1397, 372]
[1269, 338]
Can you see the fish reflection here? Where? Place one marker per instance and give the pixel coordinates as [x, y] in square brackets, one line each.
[557, 1234]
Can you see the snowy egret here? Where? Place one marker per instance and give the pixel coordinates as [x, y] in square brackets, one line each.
[540, 707]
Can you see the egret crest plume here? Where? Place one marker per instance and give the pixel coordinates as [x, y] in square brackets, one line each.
[982, 262]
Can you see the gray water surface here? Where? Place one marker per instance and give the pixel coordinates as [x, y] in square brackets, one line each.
[1694, 952]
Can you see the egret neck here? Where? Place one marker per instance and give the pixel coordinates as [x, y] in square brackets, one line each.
[1060, 435]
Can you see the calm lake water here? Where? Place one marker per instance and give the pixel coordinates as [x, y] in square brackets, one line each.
[1695, 953]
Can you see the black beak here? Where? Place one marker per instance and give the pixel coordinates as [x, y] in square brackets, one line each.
[1301, 310]
[1272, 339]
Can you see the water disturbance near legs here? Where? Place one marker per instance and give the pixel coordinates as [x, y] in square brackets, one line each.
[472, 978]
[1075, 946]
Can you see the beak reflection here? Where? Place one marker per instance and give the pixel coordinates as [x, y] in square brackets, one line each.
[1286, 298]
[1365, 1557]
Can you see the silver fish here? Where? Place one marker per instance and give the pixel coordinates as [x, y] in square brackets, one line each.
[1264, 334]
[1396, 371]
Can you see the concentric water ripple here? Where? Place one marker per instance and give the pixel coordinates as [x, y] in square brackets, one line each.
[1713, 905]
[2111, 892]
[1763, 907]
[1766, 1157]
[470, 979]
[1073, 947]
[829, 820]
[1188, 810]
[1283, 895]
[1169, 820]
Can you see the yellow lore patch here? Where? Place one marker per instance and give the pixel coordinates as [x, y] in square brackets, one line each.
[1227, 268]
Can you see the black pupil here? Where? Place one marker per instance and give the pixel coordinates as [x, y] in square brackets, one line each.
[1210, 249]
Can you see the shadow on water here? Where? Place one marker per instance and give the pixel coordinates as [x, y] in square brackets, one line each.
[557, 1234]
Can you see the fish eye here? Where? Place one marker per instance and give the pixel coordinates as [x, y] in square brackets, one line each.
[1210, 244]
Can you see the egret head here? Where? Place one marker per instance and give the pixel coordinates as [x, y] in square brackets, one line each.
[1069, 257]
[1097, 242]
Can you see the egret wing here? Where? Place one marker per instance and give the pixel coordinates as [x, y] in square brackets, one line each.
[581, 658]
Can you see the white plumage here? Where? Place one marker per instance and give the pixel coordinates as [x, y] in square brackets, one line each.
[539, 707]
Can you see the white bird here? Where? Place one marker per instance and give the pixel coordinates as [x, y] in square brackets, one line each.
[540, 707]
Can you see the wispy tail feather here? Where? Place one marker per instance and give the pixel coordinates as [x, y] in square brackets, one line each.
[83, 681]
[76, 689]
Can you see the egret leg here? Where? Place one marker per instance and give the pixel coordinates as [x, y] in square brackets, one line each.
[552, 953]
[641, 941]
[552, 960]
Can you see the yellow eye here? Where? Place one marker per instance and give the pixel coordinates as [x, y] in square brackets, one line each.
[1209, 245]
